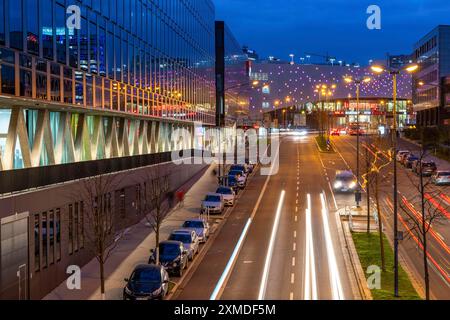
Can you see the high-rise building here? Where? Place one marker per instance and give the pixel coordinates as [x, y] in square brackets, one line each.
[432, 52]
[101, 99]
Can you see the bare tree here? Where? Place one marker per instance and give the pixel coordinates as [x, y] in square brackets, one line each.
[431, 212]
[157, 201]
[103, 226]
[377, 161]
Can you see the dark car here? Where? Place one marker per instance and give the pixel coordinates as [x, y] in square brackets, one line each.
[239, 167]
[233, 183]
[345, 182]
[409, 161]
[172, 256]
[429, 168]
[147, 282]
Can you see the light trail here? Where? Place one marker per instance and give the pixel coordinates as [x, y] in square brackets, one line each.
[336, 284]
[310, 292]
[265, 275]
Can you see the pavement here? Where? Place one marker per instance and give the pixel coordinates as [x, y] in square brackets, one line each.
[135, 247]
[283, 240]
[411, 252]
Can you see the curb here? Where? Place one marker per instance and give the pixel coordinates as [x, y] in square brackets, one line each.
[325, 151]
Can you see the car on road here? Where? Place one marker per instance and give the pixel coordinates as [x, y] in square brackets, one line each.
[172, 256]
[240, 177]
[250, 166]
[213, 203]
[201, 228]
[401, 154]
[408, 162]
[240, 167]
[335, 132]
[189, 239]
[147, 282]
[429, 168]
[229, 196]
[345, 181]
[441, 178]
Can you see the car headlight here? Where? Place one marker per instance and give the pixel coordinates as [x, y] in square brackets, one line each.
[353, 185]
[338, 185]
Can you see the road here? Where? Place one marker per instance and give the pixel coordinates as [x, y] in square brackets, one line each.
[410, 250]
[282, 241]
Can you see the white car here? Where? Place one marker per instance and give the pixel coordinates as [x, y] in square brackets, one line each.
[200, 226]
[213, 204]
[229, 196]
[189, 239]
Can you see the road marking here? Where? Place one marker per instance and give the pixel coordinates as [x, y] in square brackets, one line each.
[291, 296]
[310, 292]
[292, 278]
[296, 218]
[336, 284]
[295, 234]
[294, 247]
[264, 278]
[293, 261]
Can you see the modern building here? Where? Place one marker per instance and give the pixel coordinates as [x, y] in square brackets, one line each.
[432, 52]
[296, 85]
[232, 77]
[104, 99]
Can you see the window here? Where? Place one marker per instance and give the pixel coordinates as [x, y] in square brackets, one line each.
[70, 229]
[75, 227]
[32, 27]
[8, 79]
[58, 235]
[2, 22]
[15, 24]
[81, 235]
[45, 234]
[138, 199]
[37, 242]
[47, 27]
[51, 237]
[60, 33]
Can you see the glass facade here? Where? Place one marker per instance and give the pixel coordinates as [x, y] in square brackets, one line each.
[152, 58]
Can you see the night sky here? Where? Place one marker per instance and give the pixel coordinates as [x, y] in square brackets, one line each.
[282, 27]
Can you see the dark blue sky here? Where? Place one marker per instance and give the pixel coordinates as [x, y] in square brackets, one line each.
[281, 27]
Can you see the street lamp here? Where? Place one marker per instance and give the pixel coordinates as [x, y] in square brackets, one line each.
[395, 72]
[358, 82]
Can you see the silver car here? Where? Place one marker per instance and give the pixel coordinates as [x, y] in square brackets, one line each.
[213, 204]
[229, 196]
[441, 178]
[189, 239]
[201, 228]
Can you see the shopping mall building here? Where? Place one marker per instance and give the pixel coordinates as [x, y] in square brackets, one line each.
[101, 99]
[292, 89]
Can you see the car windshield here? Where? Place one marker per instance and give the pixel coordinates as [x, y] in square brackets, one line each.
[344, 177]
[224, 191]
[169, 250]
[235, 173]
[237, 168]
[182, 237]
[429, 165]
[212, 199]
[193, 224]
[146, 276]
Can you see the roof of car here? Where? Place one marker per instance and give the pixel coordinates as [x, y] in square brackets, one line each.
[189, 231]
[147, 267]
[171, 242]
[344, 173]
[195, 220]
[224, 187]
[213, 194]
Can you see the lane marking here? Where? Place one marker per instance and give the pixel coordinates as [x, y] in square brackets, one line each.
[294, 247]
[293, 261]
[291, 296]
[292, 278]
[265, 276]
[336, 284]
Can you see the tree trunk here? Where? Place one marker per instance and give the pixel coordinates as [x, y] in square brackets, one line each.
[157, 235]
[380, 223]
[102, 277]
[368, 189]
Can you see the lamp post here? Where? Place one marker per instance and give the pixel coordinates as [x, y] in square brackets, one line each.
[358, 82]
[394, 73]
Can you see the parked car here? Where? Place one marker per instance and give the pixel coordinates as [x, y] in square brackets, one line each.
[250, 166]
[402, 153]
[429, 168]
[172, 256]
[345, 181]
[229, 196]
[213, 204]
[147, 282]
[240, 177]
[200, 226]
[441, 178]
[233, 183]
[409, 161]
[240, 167]
[189, 239]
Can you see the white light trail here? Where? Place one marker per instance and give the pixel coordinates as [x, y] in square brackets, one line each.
[335, 278]
[310, 267]
[265, 276]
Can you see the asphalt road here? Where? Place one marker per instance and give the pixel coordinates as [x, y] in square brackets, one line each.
[410, 250]
[292, 249]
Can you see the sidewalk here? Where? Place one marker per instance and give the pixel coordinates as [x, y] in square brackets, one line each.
[135, 248]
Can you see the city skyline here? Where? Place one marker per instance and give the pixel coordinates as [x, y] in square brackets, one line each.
[283, 26]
